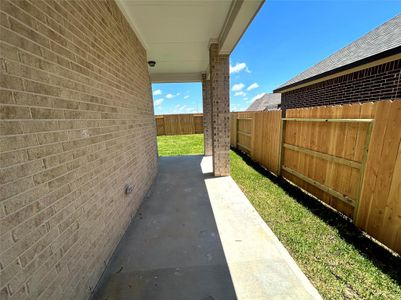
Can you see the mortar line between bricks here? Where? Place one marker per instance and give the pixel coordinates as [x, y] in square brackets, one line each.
[57, 119]
[54, 204]
[45, 170]
[116, 97]
[116, 243]
[56, 108]
[69, 70]
[49, 39]
[109, 47]
[58, 236]
[60, 130]
[56, 21]
[106, 35]
[71, 24]
[62, 98]
[13, 182]
[50, 144]
[71, 225]
[58, 142]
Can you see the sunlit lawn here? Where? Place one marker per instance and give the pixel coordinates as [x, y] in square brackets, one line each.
[171, 145]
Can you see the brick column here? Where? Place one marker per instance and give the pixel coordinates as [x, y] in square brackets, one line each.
[219, 92]
[207, 115]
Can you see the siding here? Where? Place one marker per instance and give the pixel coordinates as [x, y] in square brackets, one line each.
[381, 82]
[77, 125]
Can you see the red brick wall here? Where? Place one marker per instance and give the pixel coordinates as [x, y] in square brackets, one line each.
[376, 83]
[77, 125]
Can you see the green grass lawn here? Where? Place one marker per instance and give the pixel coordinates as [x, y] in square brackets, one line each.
[171, 145]
[339, 260]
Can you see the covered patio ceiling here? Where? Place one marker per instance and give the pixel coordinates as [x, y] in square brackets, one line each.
[177, 34]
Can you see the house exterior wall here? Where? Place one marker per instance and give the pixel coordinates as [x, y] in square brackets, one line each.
[220, 102]
[77, 126]
[381, 82]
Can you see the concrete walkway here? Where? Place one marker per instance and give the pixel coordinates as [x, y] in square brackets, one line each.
[198, 237]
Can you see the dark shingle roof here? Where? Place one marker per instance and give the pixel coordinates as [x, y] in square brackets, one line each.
[266, 102]
[385, 39]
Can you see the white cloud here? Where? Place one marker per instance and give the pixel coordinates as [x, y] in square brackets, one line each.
[252, 86]
[239, 67]
[186, 97]
[241, 93]
[157, 92]
[159, 102]
[237, 87]
[171, 96]
[179, 109]
[256, 97]
[237, 107]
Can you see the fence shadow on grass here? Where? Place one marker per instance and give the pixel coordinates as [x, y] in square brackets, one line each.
[377, 254]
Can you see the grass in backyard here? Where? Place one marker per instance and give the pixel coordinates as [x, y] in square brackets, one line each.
[339, 260]
[171, 145]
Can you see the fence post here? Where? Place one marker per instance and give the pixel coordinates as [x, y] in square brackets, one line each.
[235, 129]
[281, 151]
[253, 135]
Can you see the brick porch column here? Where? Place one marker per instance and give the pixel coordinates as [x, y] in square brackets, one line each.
[207, 115]
[220, 88]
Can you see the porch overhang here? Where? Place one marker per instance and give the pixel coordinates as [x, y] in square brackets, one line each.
[177, 34]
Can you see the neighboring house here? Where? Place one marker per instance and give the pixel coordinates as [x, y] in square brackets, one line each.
[368, 69]
[266, 102]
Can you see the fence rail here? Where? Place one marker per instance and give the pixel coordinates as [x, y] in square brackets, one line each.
[348, 156]
[179, 124]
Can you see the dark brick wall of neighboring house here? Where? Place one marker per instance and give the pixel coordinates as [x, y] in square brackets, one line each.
[372, 84]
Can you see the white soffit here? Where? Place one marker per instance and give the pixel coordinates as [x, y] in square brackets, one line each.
[176, 34]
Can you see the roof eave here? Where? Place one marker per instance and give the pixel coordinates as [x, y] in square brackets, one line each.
[367, 60]
[241, 15]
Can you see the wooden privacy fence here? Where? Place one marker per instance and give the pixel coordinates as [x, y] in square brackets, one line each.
[258, 134]
[179, 124]
[348, 156]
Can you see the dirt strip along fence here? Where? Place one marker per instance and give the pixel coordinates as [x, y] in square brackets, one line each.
[348, 156]
[179, 124]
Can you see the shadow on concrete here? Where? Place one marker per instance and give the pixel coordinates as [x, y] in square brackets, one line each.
[377, 254]
[172, 248]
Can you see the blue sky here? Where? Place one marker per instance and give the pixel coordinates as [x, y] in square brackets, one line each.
[285, 38]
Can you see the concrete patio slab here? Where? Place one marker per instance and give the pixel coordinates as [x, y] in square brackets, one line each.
[197, 237]
[260, 266]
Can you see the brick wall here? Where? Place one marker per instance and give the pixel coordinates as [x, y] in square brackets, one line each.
[220, 103]
[77, 125]
[376, 83]
[207, 116]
